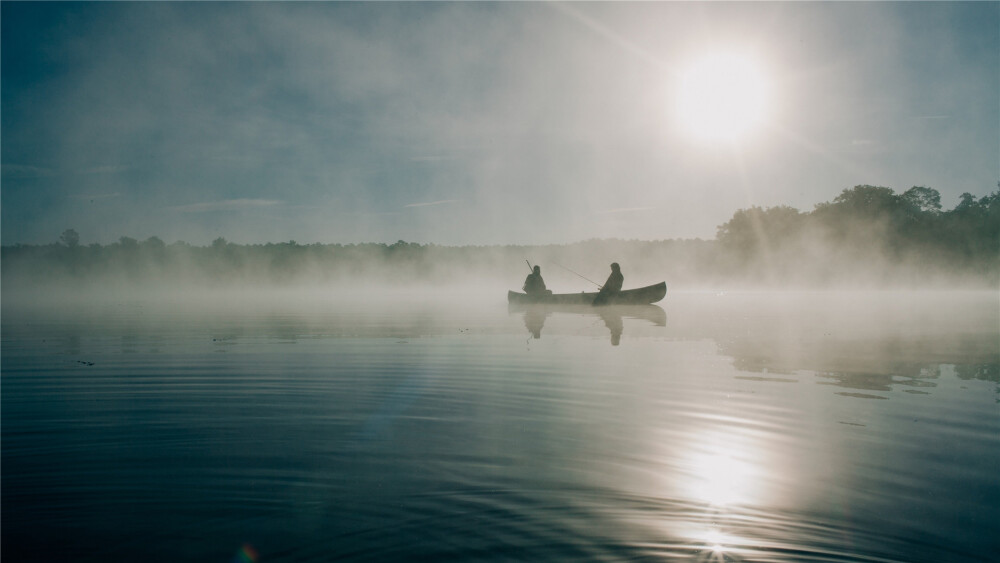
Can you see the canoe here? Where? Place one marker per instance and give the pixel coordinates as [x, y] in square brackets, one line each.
[638, 296]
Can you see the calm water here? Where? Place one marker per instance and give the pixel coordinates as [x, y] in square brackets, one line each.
[736, 427]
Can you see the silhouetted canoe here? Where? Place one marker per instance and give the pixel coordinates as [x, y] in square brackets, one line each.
[639, 296]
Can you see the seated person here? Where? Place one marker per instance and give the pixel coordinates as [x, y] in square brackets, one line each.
[611, 287]
[534, 284]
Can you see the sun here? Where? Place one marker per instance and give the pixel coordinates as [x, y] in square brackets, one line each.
[722, 97]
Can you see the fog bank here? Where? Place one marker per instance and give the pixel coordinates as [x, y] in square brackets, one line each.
[868, 237]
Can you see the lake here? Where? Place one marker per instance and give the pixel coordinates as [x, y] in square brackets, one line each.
[852, 426]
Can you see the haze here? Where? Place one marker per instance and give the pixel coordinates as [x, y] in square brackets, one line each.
[470, 124]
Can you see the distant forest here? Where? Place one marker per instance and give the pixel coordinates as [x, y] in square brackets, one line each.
[866, 236]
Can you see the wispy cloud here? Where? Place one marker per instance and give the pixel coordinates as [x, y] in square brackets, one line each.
[104, 170]
[441, 202]
[432, 158]
[225, 205]
[625, 210]
[363, 111]
[25, 171]
[93, 197]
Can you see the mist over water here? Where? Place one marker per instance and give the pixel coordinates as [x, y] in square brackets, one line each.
[806, 375]
[276, 380]
[379, 425]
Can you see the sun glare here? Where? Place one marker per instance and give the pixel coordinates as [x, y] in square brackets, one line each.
[724, 469]
[722, 97]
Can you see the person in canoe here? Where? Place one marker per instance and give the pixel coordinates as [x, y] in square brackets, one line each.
[611, 287]
[534, 285]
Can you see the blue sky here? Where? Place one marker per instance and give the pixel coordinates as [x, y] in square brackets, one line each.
[472, 123]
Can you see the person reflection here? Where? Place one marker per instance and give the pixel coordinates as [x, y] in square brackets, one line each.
[613, 317]
[613, 320]
[534, 320]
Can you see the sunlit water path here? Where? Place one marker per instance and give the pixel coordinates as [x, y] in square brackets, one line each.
[744, 427]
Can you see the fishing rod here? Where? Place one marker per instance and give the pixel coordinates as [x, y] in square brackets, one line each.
[572, 272]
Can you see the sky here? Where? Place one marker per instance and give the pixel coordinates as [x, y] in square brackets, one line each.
[479, 123]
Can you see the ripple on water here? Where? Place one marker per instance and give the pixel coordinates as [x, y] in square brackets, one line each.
[184, 437]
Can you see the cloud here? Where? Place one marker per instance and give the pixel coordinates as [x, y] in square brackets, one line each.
[92, 197]
[225, 205]
[535, 118]
[105, 170]
[441, 202]
[25, 171]
[625, 210]
[432, 158]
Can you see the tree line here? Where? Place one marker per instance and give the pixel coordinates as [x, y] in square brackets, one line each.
[868, 228]
[866, 235]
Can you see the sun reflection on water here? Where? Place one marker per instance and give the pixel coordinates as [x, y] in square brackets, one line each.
[717, 546]
[723, 470]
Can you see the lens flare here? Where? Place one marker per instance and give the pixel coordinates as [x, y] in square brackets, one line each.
[246, 554]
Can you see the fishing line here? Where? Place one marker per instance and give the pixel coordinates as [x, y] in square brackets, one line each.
[572, 272]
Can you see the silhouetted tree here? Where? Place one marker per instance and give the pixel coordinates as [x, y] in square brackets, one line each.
[927, 200]
[754, 230]
[967, 201]
[70, 238]
[128, 243]
[862, 201]
[154, 243]
[866, 229]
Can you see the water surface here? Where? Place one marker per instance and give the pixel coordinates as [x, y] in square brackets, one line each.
[746, 427]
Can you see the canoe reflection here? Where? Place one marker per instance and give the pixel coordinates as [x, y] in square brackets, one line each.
[536, 314]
